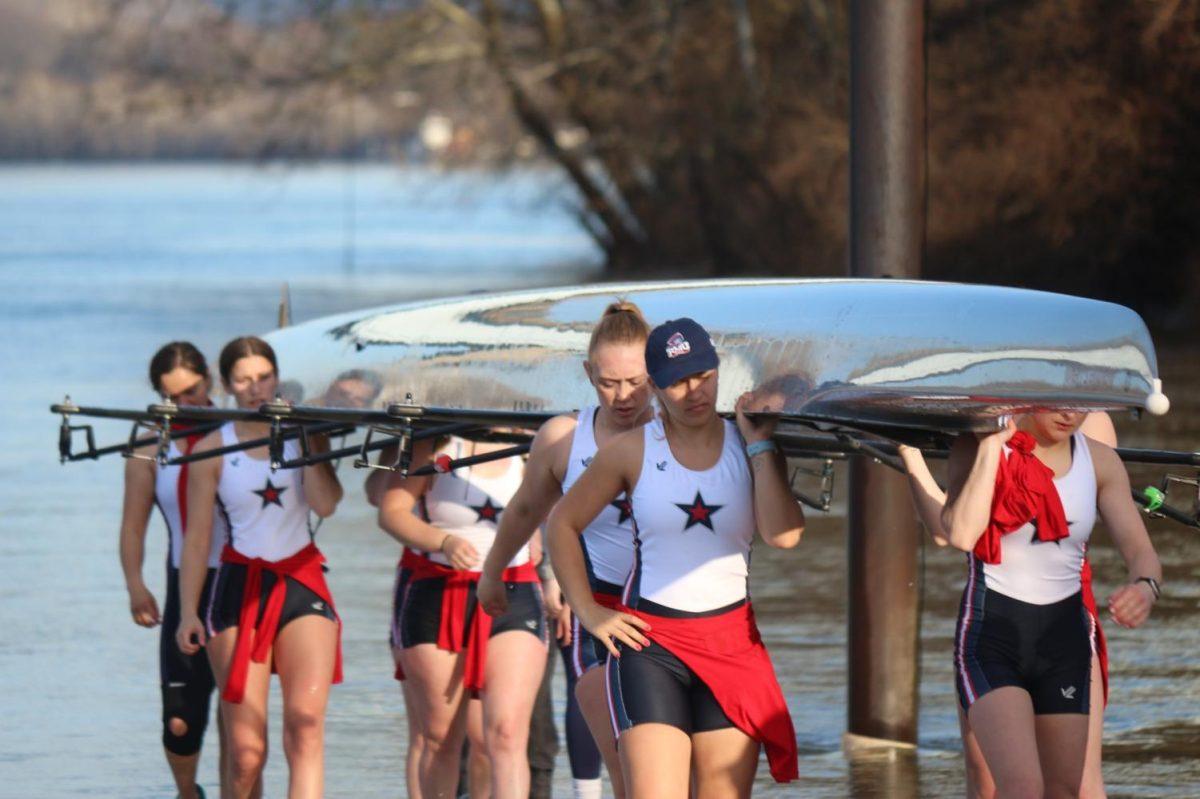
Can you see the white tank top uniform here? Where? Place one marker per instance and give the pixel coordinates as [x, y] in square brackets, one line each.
[608, 540]
[170, 495]
[1042, 572]
[468, 505]
[266, 511]
[693, 529]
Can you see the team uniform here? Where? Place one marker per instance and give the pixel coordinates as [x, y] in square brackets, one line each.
[271, 571]
[436, 603]
[1023, 620]
[187, 680]
[706, 667]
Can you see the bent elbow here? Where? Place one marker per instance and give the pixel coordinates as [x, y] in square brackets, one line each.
[787, 539]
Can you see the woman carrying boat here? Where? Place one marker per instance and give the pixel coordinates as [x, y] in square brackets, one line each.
[449, 649]
[692, 692]
[1022, 504]
[179, 373]
[561, 450]
[271, 609]
[929, 500]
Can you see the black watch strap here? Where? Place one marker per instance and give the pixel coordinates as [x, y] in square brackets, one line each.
[1153, 585]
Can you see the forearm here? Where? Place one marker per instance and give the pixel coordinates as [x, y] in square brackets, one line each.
[517, 525]
[193, 567]
[322, 490]
[133, 555]
[1144, 563]
[966, 517]
[928, 498]
[778, 515]
[411, 531]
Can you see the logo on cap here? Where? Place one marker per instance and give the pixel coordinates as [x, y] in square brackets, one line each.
[677, 345]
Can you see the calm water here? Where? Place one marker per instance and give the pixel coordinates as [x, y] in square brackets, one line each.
[99, 265]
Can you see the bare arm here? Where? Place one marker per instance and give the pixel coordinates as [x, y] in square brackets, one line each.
[615, 468]
[972, 469]
[540, 489]
[322, 490]
[927, 495]
[135, 515]
[1130, 604]
[377, 480]
[777, 515]
[203, 477]
[1099, 427]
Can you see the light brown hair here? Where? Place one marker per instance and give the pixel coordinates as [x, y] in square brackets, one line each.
[621, 323]
[244, 347]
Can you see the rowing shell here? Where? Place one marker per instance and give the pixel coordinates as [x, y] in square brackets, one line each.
[868, 354]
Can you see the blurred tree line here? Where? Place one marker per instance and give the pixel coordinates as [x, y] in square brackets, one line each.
[704, 136]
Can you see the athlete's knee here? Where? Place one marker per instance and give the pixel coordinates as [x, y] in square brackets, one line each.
[504, 736]
[302, 729]
[182, 736]
[246, 762]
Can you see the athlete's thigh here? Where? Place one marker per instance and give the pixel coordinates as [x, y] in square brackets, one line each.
[979, 779]
[1003, 723]
[655, 761]
[512, 676]
[305, 654]
[244, 721]
[1062, 745]
[1093, 773]
[724, 763]
[435, 686]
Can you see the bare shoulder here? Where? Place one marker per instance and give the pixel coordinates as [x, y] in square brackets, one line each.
[209, 442]
[555, 431]
[625, 446]
[1105, 459]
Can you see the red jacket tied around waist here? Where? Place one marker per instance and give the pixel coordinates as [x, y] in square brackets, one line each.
[1024, 492]
[727, 653]
[254, 640]
[451, 636]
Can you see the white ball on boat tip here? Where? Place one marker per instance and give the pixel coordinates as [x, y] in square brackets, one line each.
[1158, 403]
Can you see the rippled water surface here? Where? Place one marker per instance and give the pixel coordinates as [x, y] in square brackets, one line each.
[99, 265]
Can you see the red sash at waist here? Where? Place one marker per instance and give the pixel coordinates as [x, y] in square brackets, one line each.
[1089, 602]
[254, 640]
[454, 612]
[728, 654]
[609, 601]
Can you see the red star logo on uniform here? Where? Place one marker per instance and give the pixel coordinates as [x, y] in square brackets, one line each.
[625, 507]
[698, 512]
[271, 493]
[487, 511]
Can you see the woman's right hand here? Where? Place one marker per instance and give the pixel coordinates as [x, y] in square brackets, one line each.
[459, 552]
[610, 626]
[492, 595]
[143, 607]
[190, 636]
[1001, 436]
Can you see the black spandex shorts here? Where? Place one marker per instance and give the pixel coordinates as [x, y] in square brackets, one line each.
[1044, 649]
[226, 606]
[418, 614]
[655, 687]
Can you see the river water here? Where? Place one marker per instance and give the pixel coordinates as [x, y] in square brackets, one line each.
[101, 264]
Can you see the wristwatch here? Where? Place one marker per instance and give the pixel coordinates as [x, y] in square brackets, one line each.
[1153, 586]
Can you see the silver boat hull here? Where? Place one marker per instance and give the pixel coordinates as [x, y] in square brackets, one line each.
[867, 354]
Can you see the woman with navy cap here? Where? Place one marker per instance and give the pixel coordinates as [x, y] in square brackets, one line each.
[692, 692]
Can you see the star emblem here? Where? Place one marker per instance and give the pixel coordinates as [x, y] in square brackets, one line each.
[1036, 540]
[487, 511]
[698, 512]
[271, 494]
[625, 507]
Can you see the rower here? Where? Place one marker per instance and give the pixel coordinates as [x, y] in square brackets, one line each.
[1022, 503]
[271, 609]
[692, 692]
[178, 372]
[562, 449]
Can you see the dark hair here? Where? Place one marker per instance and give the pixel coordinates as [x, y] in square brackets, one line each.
[621, 323]
[174, 355]
[244, 347]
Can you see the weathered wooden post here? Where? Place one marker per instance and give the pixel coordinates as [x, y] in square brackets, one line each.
[887, 226]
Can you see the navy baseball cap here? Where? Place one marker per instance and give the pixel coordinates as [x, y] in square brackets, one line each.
[679, 348]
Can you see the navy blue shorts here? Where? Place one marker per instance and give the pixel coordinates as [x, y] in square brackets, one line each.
[226, 608]
[587, 652]
[418, 614]
[1046, 650]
